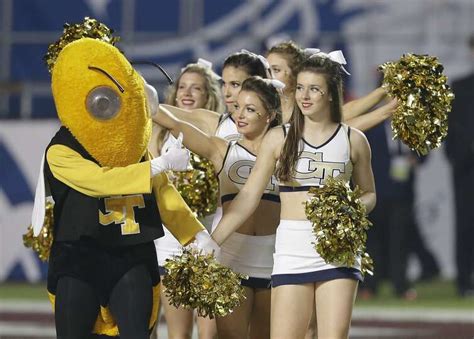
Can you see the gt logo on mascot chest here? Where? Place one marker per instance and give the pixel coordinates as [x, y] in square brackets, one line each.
[120, 210]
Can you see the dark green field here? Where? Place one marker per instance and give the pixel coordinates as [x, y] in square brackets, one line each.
[437, 294]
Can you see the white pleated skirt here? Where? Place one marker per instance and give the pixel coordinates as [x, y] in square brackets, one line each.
[166, 247]
[249, 254]
[296, 260]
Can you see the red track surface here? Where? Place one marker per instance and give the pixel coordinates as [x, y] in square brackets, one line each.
[387, 329]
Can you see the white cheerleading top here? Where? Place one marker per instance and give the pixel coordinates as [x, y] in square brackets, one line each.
[317, 163]
[236, 167]
[226, 128]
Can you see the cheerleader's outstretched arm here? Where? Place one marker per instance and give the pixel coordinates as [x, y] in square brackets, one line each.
[202, 119]
[362, 105]
[194, 139]
[369, 120]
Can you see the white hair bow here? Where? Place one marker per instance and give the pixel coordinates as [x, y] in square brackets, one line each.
[311, 51]
[276, 83]
[335, 56]
[206, 64]
[262, 59]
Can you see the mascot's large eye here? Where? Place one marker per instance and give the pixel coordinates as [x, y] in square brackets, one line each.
[103, 103]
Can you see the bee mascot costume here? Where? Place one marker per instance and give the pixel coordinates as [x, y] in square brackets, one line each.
[110, 199]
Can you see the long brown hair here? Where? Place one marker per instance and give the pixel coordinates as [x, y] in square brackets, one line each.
[292, 147]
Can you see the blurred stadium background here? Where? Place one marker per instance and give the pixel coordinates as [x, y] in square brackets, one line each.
[174, 33]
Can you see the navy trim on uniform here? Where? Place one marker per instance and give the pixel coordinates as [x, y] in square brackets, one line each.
[311, 277]
[228, 197]
[223, 117]
[294, 188]
[256, 282]
[327, 141]
[245, 148]
[162, 271]
[265, 196]
[225, 158]
[270, 197]
[285, 131]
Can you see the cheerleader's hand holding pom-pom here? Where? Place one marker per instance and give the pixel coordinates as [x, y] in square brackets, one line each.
[195, 280]
[206, 244]
[420, 86]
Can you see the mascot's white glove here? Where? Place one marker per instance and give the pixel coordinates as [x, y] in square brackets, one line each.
[175, 158]
[206, 244]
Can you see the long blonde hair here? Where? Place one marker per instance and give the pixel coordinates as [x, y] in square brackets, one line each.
[211, 83]
[213, 102]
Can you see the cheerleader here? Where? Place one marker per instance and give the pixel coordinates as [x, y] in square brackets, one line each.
[197, 87]
[250, 249]
[284, 59]
[237, 68]
[300, 277]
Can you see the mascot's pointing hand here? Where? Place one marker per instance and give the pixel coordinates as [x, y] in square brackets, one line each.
[175, 158]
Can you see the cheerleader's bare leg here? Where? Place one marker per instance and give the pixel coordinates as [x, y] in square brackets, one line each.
[235, 325]
[260, 321]
[334, 302]
[291, 309]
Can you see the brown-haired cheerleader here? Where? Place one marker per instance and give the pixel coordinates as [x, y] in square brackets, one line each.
[250, 249]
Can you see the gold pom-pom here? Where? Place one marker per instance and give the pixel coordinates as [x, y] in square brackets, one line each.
[417, 81]
[90, 28]
[198, 281]
[42, 243]
[339, 224]
[198, 187]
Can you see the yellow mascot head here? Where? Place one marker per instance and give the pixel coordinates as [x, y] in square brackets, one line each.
[99, 96]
